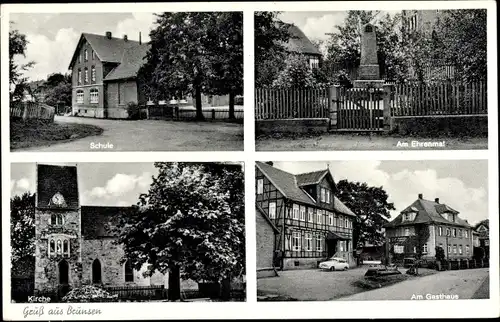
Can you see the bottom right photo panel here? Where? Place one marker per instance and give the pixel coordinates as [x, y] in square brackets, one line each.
[372, 230]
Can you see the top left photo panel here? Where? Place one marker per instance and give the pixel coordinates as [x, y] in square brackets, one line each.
[159, 81]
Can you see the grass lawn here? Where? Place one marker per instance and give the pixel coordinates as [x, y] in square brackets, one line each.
[35, 133]
[363, 141]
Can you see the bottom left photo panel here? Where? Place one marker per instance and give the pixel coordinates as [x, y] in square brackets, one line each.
[123, 232]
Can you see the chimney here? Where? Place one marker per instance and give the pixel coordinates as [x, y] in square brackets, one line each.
[270, 163]
[420, 196]
[108, 34]
[125, 37]
[140, 39]
[436, 200]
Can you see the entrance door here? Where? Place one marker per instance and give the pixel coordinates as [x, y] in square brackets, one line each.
[331, 245]
[96, 272]
[63, 272]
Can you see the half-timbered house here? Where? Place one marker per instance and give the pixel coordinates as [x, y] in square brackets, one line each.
[312, 223]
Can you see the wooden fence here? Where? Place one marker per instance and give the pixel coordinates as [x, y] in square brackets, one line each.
[32, 110]
[182, 113]
[439, 98]
[129, 292]
[285, 103]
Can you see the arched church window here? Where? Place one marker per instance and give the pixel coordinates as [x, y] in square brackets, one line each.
[96, 271]
[59, 247]
[129, 271]
[66, 247]
[52, 247]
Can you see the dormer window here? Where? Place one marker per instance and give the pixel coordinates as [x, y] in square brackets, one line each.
[327, 196]
[86, 55]
[409, 216]
[323, 195]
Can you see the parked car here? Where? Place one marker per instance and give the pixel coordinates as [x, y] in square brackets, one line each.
[334, 264]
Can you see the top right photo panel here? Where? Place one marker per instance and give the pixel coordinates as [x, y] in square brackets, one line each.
[371, 80]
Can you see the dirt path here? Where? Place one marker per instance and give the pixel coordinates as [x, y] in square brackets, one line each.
[151, 135]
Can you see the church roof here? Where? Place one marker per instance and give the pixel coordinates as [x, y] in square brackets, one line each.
[101, 221]
[52, 180]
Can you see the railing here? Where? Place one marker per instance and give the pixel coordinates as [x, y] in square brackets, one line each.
[32, 110]
[184, 113]
[439, 98]
[291, 103]
[132, 292]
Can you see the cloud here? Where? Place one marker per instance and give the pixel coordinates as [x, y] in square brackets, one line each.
[316, 28]
[141, 22]
[50, 55]
[121, 184]
[23, 184]
[18, 187]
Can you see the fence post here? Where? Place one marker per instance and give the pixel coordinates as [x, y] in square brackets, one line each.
[213, 114]
[388, 126]
[333, 106]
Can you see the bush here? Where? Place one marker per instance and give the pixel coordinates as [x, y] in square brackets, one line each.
[133, 111]
[89, 293]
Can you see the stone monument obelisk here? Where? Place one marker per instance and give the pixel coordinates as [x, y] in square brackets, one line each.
[369, 70]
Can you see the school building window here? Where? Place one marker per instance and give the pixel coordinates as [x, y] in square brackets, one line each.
[302, 213]
[79, 97]
[295, 212]
[308, 242]
[296, 241]
[310, 215]
[94, 96]
[92, 74]
[318, 243]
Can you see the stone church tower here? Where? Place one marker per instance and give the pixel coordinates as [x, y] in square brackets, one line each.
[58, 238]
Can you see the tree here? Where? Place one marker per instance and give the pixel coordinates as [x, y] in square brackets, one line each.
[17, 47]
[22, 227]
[270, 35]
[189, 224]
[371, 206]
[227, 63]
[191, 52]
[59, 89]
[296, 73]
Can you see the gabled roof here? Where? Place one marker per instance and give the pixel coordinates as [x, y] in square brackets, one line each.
[53, 179]
[99, 222]
[299, 43]
[130, 53]
[427, 212]
[315, 177]
[287, 184]
[133, 59]
[485, 223]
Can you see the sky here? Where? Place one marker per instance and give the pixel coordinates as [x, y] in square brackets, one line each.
[316, 24]
[461, 184]
[53, 37]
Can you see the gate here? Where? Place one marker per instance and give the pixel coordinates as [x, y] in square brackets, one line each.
[359, 109]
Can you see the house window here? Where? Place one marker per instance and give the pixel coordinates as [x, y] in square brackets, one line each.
[323, 198]
[460, 249]
[440, 231]
[454, 249]
[467, 249]
[86, 75]
[449, 249]
[308, 242]
[313, 63]
[460, 233]
[454, 232]
[295, 212]
[272, 210]
[310, 215]
[260, 186]
[94, 96]
[424, 249]
[319, 243]
[330, 219]
[79, 97]
[346, 223]
[296, 241]
[319, 214]
[327, 196]
[407, 231]
[466, 233]
[447, 231]
[79, 76]
[129, 271]
[302, 213]
[92, 74]
[86, 55]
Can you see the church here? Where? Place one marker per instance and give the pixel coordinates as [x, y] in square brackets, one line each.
[75, 244]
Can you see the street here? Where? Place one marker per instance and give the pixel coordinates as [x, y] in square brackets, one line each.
[460, 283]
[151, 135]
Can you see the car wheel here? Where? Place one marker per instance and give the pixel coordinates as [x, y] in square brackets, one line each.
[346, 268]
[332, 268]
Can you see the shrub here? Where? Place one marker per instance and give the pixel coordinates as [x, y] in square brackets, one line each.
[133, 111]
[89, 293]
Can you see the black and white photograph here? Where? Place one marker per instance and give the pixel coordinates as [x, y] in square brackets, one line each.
[127, 232]
[371, 80]
[372, 230]
[168, 81]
